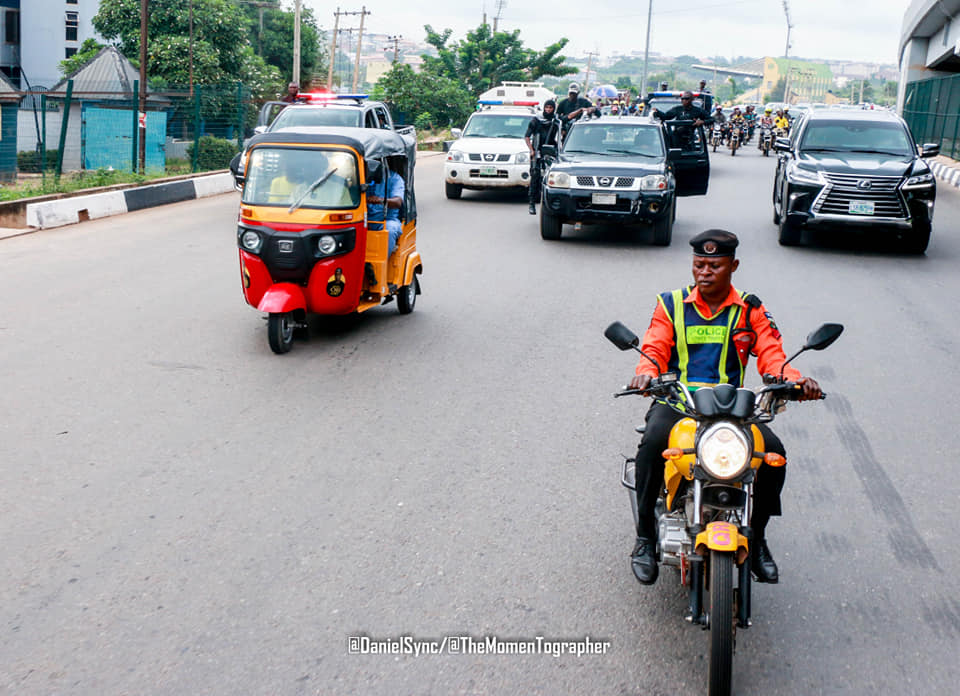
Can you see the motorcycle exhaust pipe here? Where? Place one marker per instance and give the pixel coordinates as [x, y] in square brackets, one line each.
[653, 207]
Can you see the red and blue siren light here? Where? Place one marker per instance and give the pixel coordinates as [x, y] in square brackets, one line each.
[327, 96]
[506, 102]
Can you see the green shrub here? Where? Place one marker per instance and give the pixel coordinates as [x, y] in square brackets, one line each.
[29, 160]
[215, 153]
[424, 121]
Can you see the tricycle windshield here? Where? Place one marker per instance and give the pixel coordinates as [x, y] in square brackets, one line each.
[282, 176]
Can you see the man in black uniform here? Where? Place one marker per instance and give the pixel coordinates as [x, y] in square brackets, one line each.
[687, 111]
[543, 130]
[572, 107]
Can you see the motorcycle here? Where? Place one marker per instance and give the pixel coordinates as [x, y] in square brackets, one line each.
[716, 136]
[704, 510]
[734, 142]
[766, 140]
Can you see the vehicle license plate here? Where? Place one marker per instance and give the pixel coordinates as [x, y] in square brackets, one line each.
[861, 207]
[604, 199]
[488, 171]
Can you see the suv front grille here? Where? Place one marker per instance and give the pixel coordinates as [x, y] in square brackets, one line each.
[608, 181]
[842, 189]
[477, 157]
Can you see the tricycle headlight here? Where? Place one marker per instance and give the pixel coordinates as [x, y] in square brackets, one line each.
[455, 156]
[653, 182]
[327, 244]
[250, 241]
[523, 157]
[724, 451]
[558, 180]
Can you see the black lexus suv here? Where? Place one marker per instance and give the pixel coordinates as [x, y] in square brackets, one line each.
[852, 168]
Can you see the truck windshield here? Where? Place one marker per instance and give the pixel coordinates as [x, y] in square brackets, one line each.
[298, 116]
[615, 139]
[496, 126]
[281, 176]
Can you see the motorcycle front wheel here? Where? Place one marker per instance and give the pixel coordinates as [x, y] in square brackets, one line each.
[721, 622]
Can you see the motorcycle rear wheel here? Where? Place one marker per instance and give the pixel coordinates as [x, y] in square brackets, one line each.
[721, 622]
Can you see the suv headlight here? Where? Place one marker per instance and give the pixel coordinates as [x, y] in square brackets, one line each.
[724, 451]
[924, 179]
[558, 180]
[522, 158]
[455, 156]
[653, 182]
[803, 176]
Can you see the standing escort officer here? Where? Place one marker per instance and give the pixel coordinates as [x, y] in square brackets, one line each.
[542, 130]
[572, 107]
[748, 328]
[686, 111]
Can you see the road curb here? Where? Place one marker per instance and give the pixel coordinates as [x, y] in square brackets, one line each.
[69, 211]
[947, 170]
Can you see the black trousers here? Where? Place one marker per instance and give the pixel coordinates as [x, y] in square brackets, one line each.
[660, 419]
[536, 181]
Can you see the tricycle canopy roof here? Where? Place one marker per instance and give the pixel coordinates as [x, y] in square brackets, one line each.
[371, 143]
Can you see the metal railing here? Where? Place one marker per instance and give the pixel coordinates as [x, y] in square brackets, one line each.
[931, 108]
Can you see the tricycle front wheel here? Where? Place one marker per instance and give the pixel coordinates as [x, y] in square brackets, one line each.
[280, 332]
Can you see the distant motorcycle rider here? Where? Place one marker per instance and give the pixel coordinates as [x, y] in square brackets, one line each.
[542, 130]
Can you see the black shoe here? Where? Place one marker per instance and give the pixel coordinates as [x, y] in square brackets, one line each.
[533, 209]
[643, 559]
[762, 564]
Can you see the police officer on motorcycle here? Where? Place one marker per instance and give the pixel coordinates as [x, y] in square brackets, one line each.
[742, 326]
[543, 130]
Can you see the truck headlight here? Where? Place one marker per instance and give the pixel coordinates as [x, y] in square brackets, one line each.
[724, 451]
[653, 182]
[455, 156]
[522, 158]
[558, 180]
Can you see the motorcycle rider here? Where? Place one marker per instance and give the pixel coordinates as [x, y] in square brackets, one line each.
[542, 130]
[750, 116]
[742, 326]
[766, 121]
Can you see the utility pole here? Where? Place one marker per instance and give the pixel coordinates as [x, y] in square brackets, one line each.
[356, 63]
[786, 12]
[496, 18]
[646, 52]
[143, 82]
[333, 49]
[861, 92]
[296, 42]
[396, 50]
[586, 83]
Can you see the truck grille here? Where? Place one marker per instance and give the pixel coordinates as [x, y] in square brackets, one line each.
[608, 181]
[842, 189]
[476, 157]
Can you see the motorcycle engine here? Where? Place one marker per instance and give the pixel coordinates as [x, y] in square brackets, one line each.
[673, 538]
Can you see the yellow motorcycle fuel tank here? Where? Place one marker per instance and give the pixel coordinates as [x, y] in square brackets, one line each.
[682, 437]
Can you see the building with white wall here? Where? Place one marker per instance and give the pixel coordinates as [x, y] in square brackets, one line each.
[35, 35]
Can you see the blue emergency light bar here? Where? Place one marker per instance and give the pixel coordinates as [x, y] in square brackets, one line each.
[502, 102]
[672, 94]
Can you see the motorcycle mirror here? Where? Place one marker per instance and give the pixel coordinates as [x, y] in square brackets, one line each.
[622, 337]
[823, 336]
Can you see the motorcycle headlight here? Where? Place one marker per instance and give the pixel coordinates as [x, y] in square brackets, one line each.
[558, 180]
[455, 156]
[653, 182]
[523, 158]
[803, 176]
[326, 244]
[250, 240]
[724, 451]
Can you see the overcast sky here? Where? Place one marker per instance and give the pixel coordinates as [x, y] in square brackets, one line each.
[828, 29]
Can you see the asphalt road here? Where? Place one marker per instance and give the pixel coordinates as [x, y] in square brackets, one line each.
[183, 512]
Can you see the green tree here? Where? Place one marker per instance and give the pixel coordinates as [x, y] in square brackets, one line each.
[275, 43]
[88, 51]
[624, 82]
[484, 59]
[410, 95]
[221, 48]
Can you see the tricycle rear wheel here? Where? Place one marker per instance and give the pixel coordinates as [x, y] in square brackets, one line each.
[407, 296]
[280, 327]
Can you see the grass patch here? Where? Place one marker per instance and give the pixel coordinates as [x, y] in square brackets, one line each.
[77, 181]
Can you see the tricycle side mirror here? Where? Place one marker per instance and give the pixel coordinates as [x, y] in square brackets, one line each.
[781, 144]
[456, 132]
[823, 336]
[622, 337]
[238, 176]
